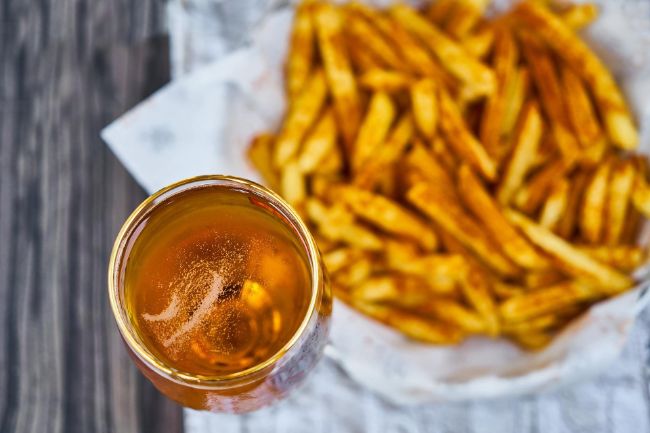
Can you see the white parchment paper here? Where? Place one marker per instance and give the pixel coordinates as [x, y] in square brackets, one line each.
[202, 122]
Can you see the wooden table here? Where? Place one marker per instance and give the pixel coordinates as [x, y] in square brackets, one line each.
[67, 68]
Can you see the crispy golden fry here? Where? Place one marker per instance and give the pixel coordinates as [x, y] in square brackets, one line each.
[480, 43]
[555, 205]
[372, 40]
[425, 106]
[320, 143]
[442, 272]
[302, 114]
[301, 50]
[464, 67]
[623, 257]
[578, 16]
[547, 82]
[430, 168]
[503, 290]
[515, 94]
[532, 341]
[390, 150]
[477, 199]
[412, 325]
[641, 194]
[576, 262]
[337, 224]
[416, 57]
[439, 10]
[361, 59]
[383, 80]
[332, 163]
[374, 128]
[539, 323]
[260, 154]
[356, 273]
[475, 285]
[592, 215]
[463, 19]
[621, 184]
[461, 139]
[504, 61]
[339, 258]
[342, 83]
[547, 277]
[618, 120]
[404, 291]
[442, 153]
[526, 142]
[531, 195]
[546, 300]
[580, 111]
[293, 185]
[567, 224]
[450, 311]
[437, 205]
[388, 216]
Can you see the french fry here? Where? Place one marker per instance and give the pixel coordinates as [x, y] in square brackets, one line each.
[482, 205]
[621, 184]
[515, 94]
[641, 194]
[404, 291]
[546, 300]
[440, 10]
[592, 215]
[383, 80]
[611, 104]
[392, 148]
[526, 143]
[301, 50]
[464, 17]
[532, 194]
[450, 311]
[337, 224]
[451, 217]
[538, 323]
[339, 258]
[505, 59]
[331, 165]
[342, 83]
[579, 16]
[442, 272]
[425, 106]
[475, 285]
[372, 40]
[430, 168]
[548, 86]
[479, 43]
[260, 155]
[389, 216]
[624, 257]
[554, 207]
[361, 59]
[503, 290]
[412, 325]
[374, 128]
[442, 153]
[302, 114]
[465, 68]
[532, 341]
[320, 143]
[356, 273]
[547, 277]
[580, 110]
[293, 185]
[609, 280]
[461, 139]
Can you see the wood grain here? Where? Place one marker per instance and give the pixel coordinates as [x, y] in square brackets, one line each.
[67, 68]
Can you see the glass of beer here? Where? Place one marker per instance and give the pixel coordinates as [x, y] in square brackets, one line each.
[219, 293]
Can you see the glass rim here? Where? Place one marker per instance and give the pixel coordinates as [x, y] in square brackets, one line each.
[117, 256]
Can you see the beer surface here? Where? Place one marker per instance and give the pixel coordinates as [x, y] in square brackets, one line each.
[215, 284]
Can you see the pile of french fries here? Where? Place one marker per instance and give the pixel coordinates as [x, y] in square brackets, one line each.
[462, 175]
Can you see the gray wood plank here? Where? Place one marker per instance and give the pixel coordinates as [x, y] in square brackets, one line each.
[67, 68]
